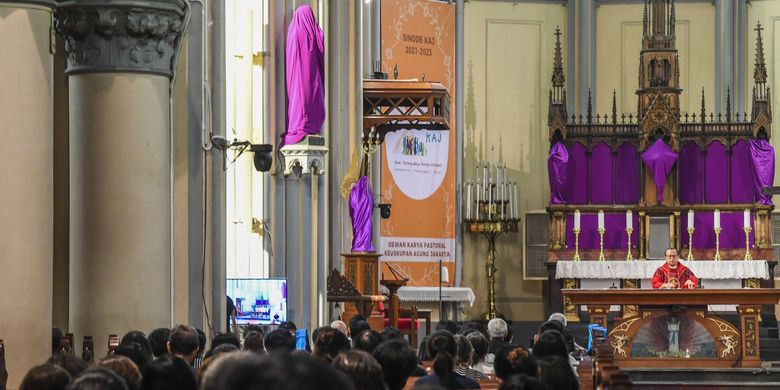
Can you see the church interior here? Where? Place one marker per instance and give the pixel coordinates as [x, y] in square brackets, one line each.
[389, 194]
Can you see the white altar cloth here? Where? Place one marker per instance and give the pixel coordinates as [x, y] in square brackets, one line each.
[431, 294]
[644, 269]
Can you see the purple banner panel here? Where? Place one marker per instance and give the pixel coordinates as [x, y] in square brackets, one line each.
[762, 157]
[305, 71]
[615, 236]
[601, 178]
[742, 187]
[691, 174]
[716, 164]
[577, 177]
[659, 159]
[627, 174]
[557, 170]
[731, 236]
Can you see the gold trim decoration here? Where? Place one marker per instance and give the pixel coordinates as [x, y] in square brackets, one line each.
[723, 326]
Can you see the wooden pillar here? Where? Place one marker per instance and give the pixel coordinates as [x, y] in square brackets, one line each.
[748, 321]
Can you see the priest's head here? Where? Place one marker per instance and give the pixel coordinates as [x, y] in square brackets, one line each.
[671, 257]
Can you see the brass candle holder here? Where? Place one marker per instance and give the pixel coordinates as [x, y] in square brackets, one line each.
[690, 243]
[717, 243]
[629, 256]
[748, 229]
[601, 243]
[576, 245]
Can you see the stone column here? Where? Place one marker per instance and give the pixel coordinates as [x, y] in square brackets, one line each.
[26, 200]
[120, 61]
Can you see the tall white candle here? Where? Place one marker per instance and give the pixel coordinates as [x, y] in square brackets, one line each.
[468, 200]
[717, 218]
[690, 219]
[577, 219]
[503, 198]
[479, 197]
[601, 219]
[629, 219]
[490, 204]
[476, 174]
[746, 217]
[485, 177]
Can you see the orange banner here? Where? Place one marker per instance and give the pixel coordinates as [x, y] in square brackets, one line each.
[418, 166]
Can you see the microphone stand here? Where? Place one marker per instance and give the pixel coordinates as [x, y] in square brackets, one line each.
[441, 304]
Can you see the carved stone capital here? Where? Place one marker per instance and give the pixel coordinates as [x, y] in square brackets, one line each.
[121, 36]
[305, 157]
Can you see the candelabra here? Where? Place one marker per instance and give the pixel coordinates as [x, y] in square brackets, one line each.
[747, 229]
[629, 256]
[601, 243]
[690, 243]
[717, 243]
[576, 244]
[495, 212]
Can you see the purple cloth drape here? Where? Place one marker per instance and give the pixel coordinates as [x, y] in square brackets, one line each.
[691, 174]
[615, 236]
[659, 159]
[557, 170]
[305, 76]
[762, 159]
[627, 175]
[577, 177]
[361, 206]
[601, 175]
[716, 166]
[732, 235]
[741, 174]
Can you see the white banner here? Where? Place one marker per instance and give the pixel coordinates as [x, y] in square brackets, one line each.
[417, 249]
[417, 160]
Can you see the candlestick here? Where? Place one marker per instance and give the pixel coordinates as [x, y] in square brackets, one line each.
[717, 239]
[690, 237]
[747, 242]
[629, 220]
[629, 256]
[690, 219]
[601, 243]
[576, 244]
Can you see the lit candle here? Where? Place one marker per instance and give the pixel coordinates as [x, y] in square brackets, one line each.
[479, 197]
[577, 219]
[629, 219]
[601, 219]
[690, 219]
[746, 216]
[717, 219]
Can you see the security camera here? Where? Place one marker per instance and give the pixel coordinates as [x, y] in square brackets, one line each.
[384, 210]
[220, 142]
[263, 158]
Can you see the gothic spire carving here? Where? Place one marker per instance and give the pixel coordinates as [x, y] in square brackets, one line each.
[728, 104]
[760, 89]
[759, 72]
[703, 109]
[590, 107]
[557, 100]
[614, 106]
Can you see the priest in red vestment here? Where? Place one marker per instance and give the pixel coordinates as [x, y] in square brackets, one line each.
[673, 274]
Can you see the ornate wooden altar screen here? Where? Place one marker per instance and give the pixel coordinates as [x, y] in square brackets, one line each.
[672, 328]
[657, 163]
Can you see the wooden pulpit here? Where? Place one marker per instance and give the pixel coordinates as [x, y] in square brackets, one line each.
[362, 270]
[393, 285]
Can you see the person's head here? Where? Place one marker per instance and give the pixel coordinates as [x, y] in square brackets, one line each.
[362, 368]
[169, 373]
[470, 327]
[279, 341]
[550, 343]
[358, 324]
[138, 337]
[225, 338]
[201, 341]
[134, 351]
[56, 335]
[558, 317]
[391, 333]
[340, 325]
[367, 340]
[246, 371]
[465, 354]
[442, 348]
[397, 360]
[556, 373]
[158, 340]
[45, 377]
[497, 328]
[98, 378]
[288, 326]
[548, 325]
[448, 325]
[330, 342]
[253, 342]
[125, 368]
[480, 344]
[670, 254]
[222, 349]
[521, 382]
[511, 360]
[255, 328]
[70, 363]
[183, 342]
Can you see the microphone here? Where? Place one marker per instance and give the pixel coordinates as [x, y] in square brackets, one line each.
[611, 276]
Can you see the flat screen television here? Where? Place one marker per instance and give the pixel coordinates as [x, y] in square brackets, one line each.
[259, 301]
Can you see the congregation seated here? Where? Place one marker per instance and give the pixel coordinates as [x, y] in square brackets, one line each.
[46, 376]
[125, 368]
[367, 340]
[364, 371]
[443, 349]
[397, 360]
[329, 344]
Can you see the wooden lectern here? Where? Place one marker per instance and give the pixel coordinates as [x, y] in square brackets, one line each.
[393, 285]
[362, 270]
